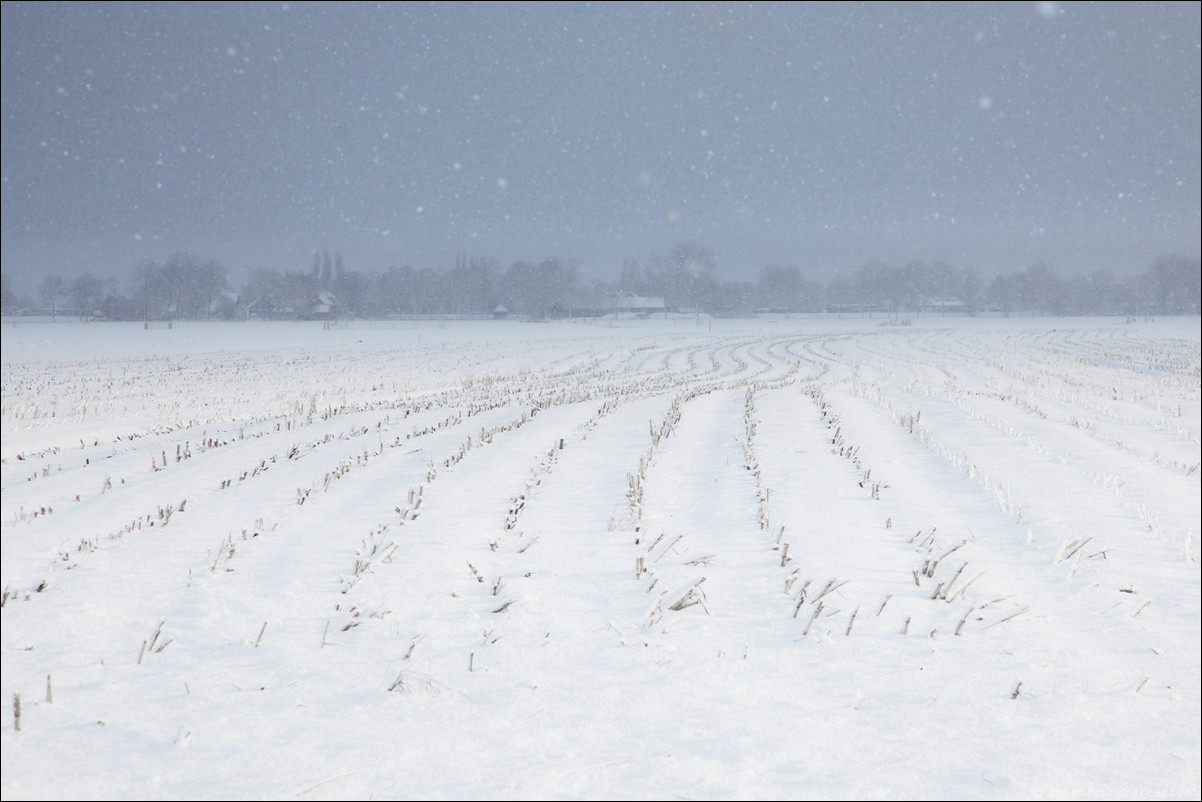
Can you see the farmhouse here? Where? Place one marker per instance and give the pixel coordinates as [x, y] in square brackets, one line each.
[641, 306]
[944, 304]
[325, 306]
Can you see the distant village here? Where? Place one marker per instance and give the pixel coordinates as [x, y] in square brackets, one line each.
[685, 282]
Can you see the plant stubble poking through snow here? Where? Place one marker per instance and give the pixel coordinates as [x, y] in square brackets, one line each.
[270, 547]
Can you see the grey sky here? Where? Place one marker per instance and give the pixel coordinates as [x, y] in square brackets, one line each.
[822, 135]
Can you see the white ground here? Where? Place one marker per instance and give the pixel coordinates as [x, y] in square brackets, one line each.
[801, 558]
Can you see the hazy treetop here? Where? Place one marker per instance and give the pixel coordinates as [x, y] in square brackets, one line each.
[989, 135]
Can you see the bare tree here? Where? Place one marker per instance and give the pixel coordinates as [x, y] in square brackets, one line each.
[472, 283]
[147, 287]
[686, 276]
[542, 289]
[264, 293]
[10, 295]
[781, 288]
[876, 286]
[52, 289]
[86, 292]
[1175, 284]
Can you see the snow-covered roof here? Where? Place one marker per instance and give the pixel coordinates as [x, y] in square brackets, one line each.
[628, 300]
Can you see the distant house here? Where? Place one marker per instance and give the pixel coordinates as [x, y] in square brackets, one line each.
[630, 304]
[500, 313]
[325, 306]
[944, 304]
[223, 305]
[856, 308]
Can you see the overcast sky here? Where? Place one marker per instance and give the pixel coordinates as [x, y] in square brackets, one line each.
[987, 135]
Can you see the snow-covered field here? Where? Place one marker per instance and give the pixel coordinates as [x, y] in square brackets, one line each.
[800, 558]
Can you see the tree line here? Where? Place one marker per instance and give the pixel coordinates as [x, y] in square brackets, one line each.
[188, 287]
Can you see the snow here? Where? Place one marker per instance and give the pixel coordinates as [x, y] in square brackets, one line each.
[795, 558]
